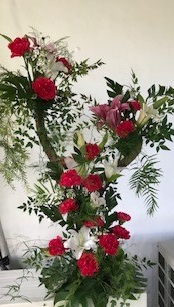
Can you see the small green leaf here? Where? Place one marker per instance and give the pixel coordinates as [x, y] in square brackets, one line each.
[164, 147]
[157, 104]
[6, 37]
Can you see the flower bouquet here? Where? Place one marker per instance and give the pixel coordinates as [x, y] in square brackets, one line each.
[85, 148]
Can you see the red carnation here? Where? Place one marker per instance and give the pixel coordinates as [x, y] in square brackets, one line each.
[44, 88]
[96, 222]
[124, 128]
[92, 151]
[109, 243]
[56, 246]
[121, 232]
[135, 105]
[65, 63]
[67, 205]
[87, 264]
[19, 46]
[92, 182]
[70, 178]
[123, 217]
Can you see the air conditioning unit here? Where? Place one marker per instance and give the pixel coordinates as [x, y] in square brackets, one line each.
[166, 274]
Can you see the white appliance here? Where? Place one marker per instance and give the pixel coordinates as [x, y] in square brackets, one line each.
[166, 273]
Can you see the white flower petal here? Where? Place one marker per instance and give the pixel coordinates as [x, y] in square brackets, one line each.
[79, 241]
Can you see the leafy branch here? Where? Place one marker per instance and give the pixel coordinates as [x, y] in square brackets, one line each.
[143, 181]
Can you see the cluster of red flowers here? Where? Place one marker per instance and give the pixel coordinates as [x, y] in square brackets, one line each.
[124, 128]
[113, 116]
[108, 239]
[70, 178]
[56, 247]
[87, 264]
[68, 205]
[123, 217]
[91, 151]
[42, 86]
[109, 243]
[19, 46]
[121, 232]
[95, 222]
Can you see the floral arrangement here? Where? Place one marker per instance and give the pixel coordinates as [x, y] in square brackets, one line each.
[82, 160]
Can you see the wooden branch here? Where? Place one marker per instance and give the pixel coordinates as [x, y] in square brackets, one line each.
[43, 137]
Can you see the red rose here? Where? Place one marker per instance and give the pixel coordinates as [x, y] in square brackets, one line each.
[67, 205]
[109, 243]
[123, 217]
[19, 46]
[124, 128]
[135, 105]
[87, 264]
[56, 246]
[92, 182]
[65, 63]
[121, 232]
[96, 222]
[70, 178]
[92, 151]
[44, 88]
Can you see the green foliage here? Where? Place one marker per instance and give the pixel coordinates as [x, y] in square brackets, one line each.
[83, 68]
[43, 202]
[57, 274]
[128, 145]
[19, 112]
[114, 88]
[158, 133]
[120, 277]
[16, 131]
[14, 290]
[144, 180]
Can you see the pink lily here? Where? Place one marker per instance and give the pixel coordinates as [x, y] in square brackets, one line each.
[111, 114]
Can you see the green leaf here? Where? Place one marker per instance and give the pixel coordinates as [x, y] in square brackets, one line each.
[104, 141]
[144, 180]
[140, 99]
[6, 37]
[158, 103]
[115, 87]
[60, 296]
[164, 147]
[125, 97]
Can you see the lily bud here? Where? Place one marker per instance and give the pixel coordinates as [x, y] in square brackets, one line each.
[79, 139]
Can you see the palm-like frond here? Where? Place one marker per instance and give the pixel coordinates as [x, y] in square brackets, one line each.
[144, 181]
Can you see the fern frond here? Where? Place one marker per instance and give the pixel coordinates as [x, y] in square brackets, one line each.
[143, 182]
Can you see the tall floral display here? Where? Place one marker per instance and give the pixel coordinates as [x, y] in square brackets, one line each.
[85, 148]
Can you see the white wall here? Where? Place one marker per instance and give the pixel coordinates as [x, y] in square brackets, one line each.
[133, 34]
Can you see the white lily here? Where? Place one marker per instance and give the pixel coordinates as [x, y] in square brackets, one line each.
[80, 241]
[52, 68]
[111, 166]
[97, 200]
[147, 112]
